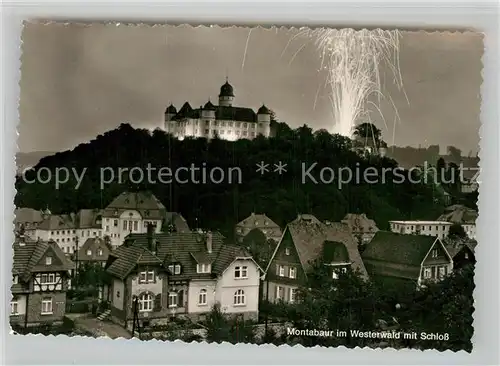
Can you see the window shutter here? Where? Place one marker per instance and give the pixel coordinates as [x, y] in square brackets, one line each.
[180, 299]
[157, 303]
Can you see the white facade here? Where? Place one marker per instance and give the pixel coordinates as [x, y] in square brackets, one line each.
[236, 290]
[66, 238]
[439, 229]
[470, 230]
[130, 221]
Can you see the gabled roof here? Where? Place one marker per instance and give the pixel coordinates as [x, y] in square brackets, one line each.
[27, 215]
[397, 248]
[360, 223]
[178, 221]
[59, 222]
[28, 253]
[186, 248]
[94, 244]
[260, 221]
[88, 218]
[144, 202]
[310, 235]
[455, 246]
[459, 214]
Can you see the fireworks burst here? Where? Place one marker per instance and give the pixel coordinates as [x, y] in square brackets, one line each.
[352, 60]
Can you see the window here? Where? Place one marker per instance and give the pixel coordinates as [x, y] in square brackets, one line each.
[125, 224]
[89, 252]
[442, 272]
[293, 272]
[145, 302]
[256, 223]
[115, 223]
[15, 279]
[427, 273]
[48, 261]
[47, 305]
[172, 299]
[202, 298]
[287, 251]
[147, 277]
[434, 253]
[107, 227]
[279, 291]
[136, 225]
[14, 309]
[240, 272]
[293, 295]
[281, 271]
[99, 252]
[239, 297]
[177, 269]
[203, 268]
[47, 279]
[335, 275]
[466, 255]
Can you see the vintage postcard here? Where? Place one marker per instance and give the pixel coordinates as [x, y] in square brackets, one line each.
[249, 185]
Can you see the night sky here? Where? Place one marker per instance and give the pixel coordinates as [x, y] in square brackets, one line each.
[79, 81]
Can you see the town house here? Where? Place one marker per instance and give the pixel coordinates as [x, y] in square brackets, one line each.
[415, 258]
[261, 222]
[95, 251]
[40, 276]
[362, 228]
[304, 241]
[130, 212]
[180, 275]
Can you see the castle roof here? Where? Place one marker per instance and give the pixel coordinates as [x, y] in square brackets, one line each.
[263, 110]
[209, 106]
[226, 90]
[223, 113]
[171, 109]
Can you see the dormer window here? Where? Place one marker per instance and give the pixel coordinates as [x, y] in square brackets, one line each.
[175, 269]
[466, 255]
[434, 253]
[203, 268]
[15, 280]
[256, 223]
[48, 261]
[287, 251]
[99, 252]
[266, 223]
[89, 252]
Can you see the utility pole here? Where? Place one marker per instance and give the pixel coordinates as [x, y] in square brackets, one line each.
[135, 321]
[76, 262]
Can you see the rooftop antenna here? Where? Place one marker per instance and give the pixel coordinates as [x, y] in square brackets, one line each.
[227, 77]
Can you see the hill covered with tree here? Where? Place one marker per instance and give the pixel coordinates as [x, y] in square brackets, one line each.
[221, 205]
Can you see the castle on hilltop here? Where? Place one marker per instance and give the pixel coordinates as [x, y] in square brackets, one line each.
[223, 120]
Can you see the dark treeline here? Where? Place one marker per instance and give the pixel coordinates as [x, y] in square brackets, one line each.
[220, 206]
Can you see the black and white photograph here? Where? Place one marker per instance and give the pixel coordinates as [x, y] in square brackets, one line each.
[264, 185]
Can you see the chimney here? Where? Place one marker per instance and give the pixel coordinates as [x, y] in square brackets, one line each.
[150, 237]
[209, 242]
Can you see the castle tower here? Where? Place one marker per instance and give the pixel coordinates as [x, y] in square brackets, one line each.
[170, 112]
[226, 95]
[208, 111]
[264, 120]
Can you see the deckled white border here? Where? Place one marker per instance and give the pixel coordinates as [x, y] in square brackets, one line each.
[403, 14]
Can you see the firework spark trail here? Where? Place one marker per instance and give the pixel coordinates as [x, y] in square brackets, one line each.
[352, 60]
[246, 48]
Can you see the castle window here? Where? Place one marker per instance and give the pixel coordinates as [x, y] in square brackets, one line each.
[216, 123]
[237, 133]
[230, 124]
[245, 125]
[253, 134]
[222, 124]
[244, 133]
[260, 124]
[222, 132]
[237, 124]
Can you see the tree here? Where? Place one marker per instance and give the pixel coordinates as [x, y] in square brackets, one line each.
[457, 232]
[369, 133]
[259, 246]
